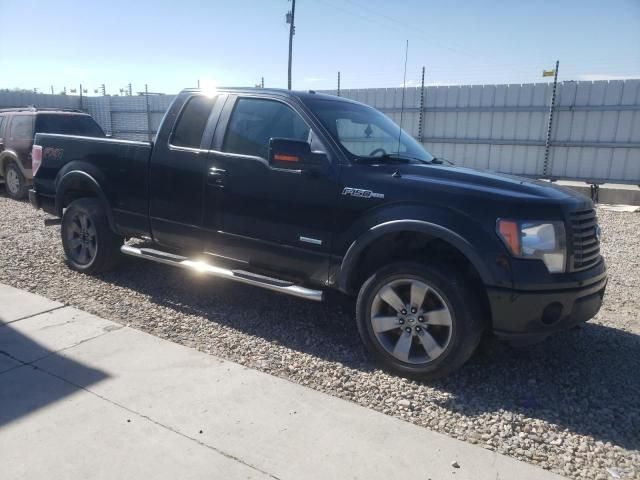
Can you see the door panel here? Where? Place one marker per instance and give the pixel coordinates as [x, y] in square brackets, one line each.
[177, 177]
[276, 221]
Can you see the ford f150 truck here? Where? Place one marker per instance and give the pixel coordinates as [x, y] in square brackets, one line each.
[303, 193]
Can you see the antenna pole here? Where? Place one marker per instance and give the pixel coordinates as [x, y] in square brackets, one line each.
[292, 31]
[404, 89]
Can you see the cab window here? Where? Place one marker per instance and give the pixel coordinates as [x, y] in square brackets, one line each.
[192, 122]
[255, 121]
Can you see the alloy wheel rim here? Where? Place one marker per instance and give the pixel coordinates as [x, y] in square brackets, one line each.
[13, 182]
[82, 239]
[411, 321]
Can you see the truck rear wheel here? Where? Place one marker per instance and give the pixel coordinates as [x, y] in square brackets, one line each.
[88, 242]
[421, 321]
[14, 181]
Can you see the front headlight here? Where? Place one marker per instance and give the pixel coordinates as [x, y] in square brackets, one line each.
[544, 241]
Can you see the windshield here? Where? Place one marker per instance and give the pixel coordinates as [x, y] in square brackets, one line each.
[365, 132]
[83, 125]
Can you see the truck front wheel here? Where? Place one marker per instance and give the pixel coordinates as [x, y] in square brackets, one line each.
[421, 321]
[88, 242]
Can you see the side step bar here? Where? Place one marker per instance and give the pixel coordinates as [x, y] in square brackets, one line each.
[237, 275]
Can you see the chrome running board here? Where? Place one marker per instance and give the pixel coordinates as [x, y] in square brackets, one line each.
[242, 276]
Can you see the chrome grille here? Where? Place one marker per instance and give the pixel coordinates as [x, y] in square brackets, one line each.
[585, 239]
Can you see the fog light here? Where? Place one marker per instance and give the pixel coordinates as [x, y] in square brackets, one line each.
[552, 313]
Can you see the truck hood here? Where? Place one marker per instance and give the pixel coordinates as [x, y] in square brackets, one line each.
[483, 181]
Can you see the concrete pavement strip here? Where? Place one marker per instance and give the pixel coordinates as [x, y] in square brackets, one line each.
[83, 397]
[16, 304]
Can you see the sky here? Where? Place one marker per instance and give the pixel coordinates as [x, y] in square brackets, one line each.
[171, 45]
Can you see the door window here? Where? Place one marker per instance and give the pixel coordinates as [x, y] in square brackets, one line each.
[22, 127]
[255, 121]
[192, 122]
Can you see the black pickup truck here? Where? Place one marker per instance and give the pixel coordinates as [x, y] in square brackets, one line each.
[302, 193]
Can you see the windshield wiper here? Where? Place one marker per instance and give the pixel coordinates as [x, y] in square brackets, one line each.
[440, 161]
[388, 157]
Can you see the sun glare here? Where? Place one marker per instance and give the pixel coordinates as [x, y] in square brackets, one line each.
[209, 87]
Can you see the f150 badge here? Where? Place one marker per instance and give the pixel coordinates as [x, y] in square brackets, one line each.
[358, 192]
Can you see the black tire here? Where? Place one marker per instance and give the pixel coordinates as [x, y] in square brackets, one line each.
[449, 289]
[14, 182]
[89, 244]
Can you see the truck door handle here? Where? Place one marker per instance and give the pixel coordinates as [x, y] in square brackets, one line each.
[215, 176]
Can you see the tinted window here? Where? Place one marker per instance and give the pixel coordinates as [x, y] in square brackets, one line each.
[255, 121]
[192, 121]
[68, 124]
[22, 127]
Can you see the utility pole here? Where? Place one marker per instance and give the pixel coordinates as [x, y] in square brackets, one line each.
[291, 18]
[261, 82]
[338, 83]
[51, 89]
[130, 89]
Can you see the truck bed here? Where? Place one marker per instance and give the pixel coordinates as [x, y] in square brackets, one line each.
[119, 166]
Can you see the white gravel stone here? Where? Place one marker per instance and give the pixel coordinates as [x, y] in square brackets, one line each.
[569, 404]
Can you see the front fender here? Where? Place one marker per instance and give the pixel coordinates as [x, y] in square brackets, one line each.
[476, 241]
[350, 260]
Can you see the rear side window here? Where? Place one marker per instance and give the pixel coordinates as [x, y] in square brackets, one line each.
[255, 121]
[192, 122]
[22, 127]
[83, 125]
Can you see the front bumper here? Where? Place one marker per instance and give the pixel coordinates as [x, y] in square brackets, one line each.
[535, 314]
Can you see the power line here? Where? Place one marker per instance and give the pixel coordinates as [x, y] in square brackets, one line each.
[400, 26]
[452, 46]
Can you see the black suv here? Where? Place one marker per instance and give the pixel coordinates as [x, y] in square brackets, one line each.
[17, 129]
[302, 193]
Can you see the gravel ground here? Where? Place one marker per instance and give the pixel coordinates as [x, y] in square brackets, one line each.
[570, 404]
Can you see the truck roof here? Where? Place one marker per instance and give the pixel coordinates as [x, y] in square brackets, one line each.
[301, 94]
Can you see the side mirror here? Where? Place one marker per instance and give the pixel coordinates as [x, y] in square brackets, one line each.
[294, 154]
